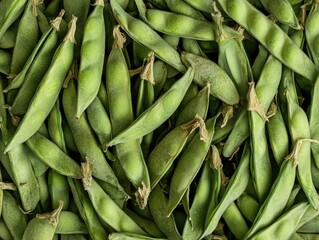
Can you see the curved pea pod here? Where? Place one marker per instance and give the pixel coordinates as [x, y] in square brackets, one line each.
[197, 105]
[271, 36]
[165, 152]
[46, 45]
[313, 120]
[70, 223]
[157, 113]
[68, 137]
[131, 236]
[44, 191]
[13, 11]
[310, 227]
[194, 226]
[58, 189]
[189, 164]
[86, 210]
[259, 61]
[47, 92]
[92, 58]
[234, 189]
[284, 226]
[176, 24]
[312, 33]
[157, 205]
[182, 7]
[53, 7]
[43, 226]
[201, 5]
[277, 199]
[38, 166]
[136, 29]
[53, 156]
[27, 37]
[4, 231]
[282, 11]
[84, 138]
[118, 86]
[5, 61]
[192, 46]
[109, 212]
[206, 71]
[248, 206]
[12, 216]
[99, 121]
[301, 153]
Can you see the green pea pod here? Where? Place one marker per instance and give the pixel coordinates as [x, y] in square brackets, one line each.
[163, 107]
[189, 164]
[102, 95]
[311, 32]
[59, 189]
[202, 198]
[234, 189]
[38, 166]
[301, 154]
[131, 236]
[146, 224]
[92, 58]
[42, 21]
[53, 7]
[201, 5]
[176, 24]
[47, 92]
[109, 212]
[4, 231]
[136, 29]
[157, 205]
[165, 152]
[70, 223]
[86, 210]
[277, 199]
[53, 156]
[206, 71]
[13, 11]
[43, 226]
[118, 86]
[282, 11]
[182, 7]
[27, 37]
[72, 237]
[85, 140]
[3, 112]
[278, 136]
[192, 46]
[310, 227]
[284, 226]
[313, 120]
[259, 61]
[248, 206]
[68, 137]
[271, 36]
[12, 216]
[5, 61]
[99, 121]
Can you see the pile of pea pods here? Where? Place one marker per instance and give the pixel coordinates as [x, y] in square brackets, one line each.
[159, 119]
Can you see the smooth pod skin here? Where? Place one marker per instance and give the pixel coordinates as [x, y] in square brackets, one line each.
[248, 206]
[53, 156]
[176, 24]
[206, 71]
[70, 223]
[4, 231]
[234, 189]
[282, 11]
[157, 113]
[192, 46]
[312, 32]
[84, 138]
[136, 29]
[131, 236]
[188, 165]
[275, 40]
[157, 205]
[94, 226]
[27, 37]
[277, 199]
[44, 191]
[12, 216]
[201, 5]
[38, 166]
[165, 152]
[182, 7]
[12, 12]
[5, 61]
[43, 225]
[59, 189]
[92, 58]
[109, 212]
[48, 91]
[286, 225]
